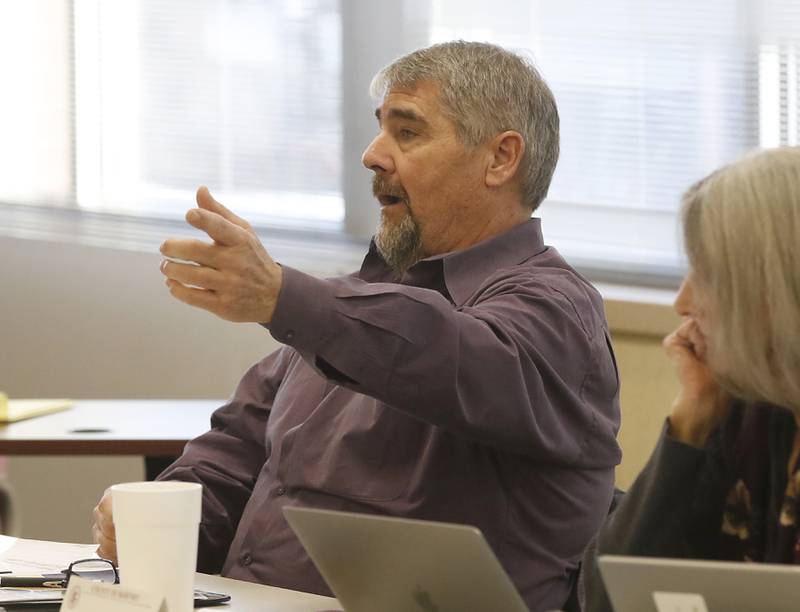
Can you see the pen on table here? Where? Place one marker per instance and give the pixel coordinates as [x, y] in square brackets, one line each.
[34, 582]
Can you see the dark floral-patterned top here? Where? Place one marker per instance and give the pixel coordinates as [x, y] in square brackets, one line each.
[730, 500]
[759, 521]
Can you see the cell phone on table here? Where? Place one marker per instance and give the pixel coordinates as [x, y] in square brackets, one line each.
[203, 599]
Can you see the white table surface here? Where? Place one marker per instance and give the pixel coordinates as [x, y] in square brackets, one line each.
[251, 597]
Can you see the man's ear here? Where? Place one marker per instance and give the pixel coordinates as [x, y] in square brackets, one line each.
[505, 150]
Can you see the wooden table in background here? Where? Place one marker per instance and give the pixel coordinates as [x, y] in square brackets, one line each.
[155, 429]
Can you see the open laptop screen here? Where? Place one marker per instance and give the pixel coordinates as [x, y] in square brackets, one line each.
[396, 565]
[647, 584]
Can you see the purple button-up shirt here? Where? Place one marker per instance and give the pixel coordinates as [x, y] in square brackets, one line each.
[481, 389]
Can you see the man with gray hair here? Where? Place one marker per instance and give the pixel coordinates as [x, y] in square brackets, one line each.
[464, 374]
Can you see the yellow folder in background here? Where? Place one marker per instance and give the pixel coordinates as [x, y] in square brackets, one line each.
[16, 410]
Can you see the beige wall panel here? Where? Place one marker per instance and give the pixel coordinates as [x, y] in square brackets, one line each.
[93, 323]
[648, 388]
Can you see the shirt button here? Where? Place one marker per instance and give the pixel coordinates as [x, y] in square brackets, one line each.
[281, 491]
[246, 559]
[289, 336]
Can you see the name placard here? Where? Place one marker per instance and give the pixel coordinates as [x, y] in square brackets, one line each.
[86, 596]
[679, 602]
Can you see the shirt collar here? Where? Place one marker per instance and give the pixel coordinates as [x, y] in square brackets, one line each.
[460, 273]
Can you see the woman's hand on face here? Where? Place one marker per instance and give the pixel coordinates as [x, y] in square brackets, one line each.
[701, 404]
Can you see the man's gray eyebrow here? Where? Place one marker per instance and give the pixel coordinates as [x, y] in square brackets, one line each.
[401, 113]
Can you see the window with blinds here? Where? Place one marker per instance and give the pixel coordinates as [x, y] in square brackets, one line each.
[652, 96]
[128, 105]
[240, 95]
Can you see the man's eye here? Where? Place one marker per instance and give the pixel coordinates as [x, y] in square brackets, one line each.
[406, 134]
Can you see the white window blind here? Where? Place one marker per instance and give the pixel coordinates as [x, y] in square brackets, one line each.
[35, 105]
[126, 106]
[240, 95]
[652, 96]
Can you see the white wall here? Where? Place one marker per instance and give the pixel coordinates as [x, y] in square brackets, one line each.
[92, 323]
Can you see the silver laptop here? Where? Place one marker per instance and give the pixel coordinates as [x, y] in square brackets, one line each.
[389, 564]
[647, 584]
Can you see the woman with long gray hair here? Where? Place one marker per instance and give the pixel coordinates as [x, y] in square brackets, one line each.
[723, 482]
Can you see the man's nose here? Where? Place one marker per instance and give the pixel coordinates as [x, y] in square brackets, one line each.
[377, 157]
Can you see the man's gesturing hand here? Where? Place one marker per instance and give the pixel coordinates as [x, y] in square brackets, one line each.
[103, 531]
[235, 278]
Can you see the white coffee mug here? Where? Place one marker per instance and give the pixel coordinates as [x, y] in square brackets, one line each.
[157, 524]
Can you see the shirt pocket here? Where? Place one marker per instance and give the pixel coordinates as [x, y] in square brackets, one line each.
[354, 447]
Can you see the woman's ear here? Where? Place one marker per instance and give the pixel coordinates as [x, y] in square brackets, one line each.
[505, 150]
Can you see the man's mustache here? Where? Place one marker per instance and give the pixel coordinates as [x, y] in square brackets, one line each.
[381, 186]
